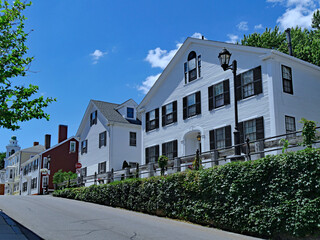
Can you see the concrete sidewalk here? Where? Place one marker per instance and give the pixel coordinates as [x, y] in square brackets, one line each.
[9, 230]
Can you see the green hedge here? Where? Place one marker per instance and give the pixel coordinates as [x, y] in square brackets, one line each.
[271, 197]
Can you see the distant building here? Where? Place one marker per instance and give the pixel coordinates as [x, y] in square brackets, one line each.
[109, 134]
[16, 157]
[37, 173]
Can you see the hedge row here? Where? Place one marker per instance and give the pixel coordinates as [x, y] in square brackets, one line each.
[271, 197]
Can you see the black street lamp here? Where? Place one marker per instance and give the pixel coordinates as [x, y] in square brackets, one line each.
[224, 57]
[199, 140]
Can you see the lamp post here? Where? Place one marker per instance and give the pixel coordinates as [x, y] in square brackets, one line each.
[199, 140]
[224, 57]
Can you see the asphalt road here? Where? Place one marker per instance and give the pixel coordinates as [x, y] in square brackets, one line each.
[58, 219]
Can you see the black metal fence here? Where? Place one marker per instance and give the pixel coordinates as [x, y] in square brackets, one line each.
[251, 150]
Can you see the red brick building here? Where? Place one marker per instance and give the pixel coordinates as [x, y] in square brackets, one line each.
[63, 156]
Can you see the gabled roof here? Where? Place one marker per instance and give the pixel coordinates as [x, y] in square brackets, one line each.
[128, 102]
[109, 111]
[264, 53]
[34, 149]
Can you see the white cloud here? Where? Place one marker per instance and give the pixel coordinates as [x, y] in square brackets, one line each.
[256, 27]
[197, 35]
[148, 83]
[160, 58]
[96, 55]
[298, 13]
[243, 26]
[233, 38]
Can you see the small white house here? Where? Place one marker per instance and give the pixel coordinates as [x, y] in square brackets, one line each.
[109, 134]
[30, 176]
[194, 98]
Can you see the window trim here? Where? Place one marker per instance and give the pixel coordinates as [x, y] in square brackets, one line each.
[287, 80]
[132, 112]
[84, 149]
[165, 115]
[156, 153]
[72, 143]
[43, 177]
[196, 71]
[132, 141]
[174, 151]
[94, 120]
[155, 120]
[227, 137]
[197, 105]
[257, 83]
[102, 167]
[103, 142]
[294, 124]
[212, 97]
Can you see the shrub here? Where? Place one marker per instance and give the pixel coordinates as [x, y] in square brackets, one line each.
[270, 197]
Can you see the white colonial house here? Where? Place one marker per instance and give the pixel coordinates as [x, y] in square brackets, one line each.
[15, 158]
[194, 97]
[109, 134]
[30, 176]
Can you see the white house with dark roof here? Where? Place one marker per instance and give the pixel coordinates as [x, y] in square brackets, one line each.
[109, 134]
[194, 96]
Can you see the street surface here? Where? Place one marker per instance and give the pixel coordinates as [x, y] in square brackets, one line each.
[58, 219]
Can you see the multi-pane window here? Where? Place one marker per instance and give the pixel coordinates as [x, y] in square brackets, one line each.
[133, 139]
[191, 105]
[219, 95]
[45, 181]
[84, 146]
[93, 118]
[287, 79]
[152, 154]
[152, 119]
[170, 149]
[191, 66]
[24, 186]
[33, 183]
[130, 112]
[290, 123]
[169, 113]
[102, 139]
[83, 172]
[72, 146]
[220, 138]
[45, 162]
[102, 167]
[249, 83]
[252, 129]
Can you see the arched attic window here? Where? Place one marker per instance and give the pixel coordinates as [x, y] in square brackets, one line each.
[191, 66]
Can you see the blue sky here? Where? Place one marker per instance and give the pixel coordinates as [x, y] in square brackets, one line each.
[114, 50]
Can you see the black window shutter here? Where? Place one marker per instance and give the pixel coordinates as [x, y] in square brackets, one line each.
[226, 92]
[257, 80]
[105, 138]
[185, 72]
[198, 103]
[82, 147]
[99, 167]
[164, 152]
[147, 121]
[240, 128]
[175, 148]
[259, 128]
[157, 118]
[91, 119]
[175, 113]
[185, 108]
[104, 166]
[147, 155]
[157, 153]
[86, 146]
[210, 94]
[212, 142]
[96, 119]
[163, 113]
[100, 143]
[227, 132]
[238, 87]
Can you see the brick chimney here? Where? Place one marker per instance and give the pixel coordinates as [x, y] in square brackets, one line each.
[63, 133]
[47, 141]
[35, 143]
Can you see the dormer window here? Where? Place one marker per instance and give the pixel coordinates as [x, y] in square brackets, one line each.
[130, 112]
[192, 68]
[93, 118]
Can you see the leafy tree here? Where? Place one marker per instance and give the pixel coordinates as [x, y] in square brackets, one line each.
[2, 157]
[308, 132]
[305, 43]
[60, 177]
[316, 20]
[17, 102]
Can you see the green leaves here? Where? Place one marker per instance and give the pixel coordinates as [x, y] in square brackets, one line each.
[305, 43]
[17, 103]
